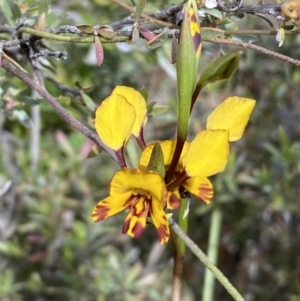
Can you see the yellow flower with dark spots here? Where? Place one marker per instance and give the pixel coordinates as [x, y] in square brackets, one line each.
[144, 194]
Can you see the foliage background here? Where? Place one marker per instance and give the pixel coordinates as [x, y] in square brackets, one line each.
[50, 249]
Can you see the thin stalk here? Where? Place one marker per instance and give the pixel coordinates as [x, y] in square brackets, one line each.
[212, 253]
[205, 260]
[179, 250]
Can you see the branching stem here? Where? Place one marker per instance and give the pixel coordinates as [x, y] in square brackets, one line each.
[62, 112]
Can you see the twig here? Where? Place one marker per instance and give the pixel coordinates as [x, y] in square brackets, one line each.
[62, 112]
[263, 50]
[145, 16]
[204, 259]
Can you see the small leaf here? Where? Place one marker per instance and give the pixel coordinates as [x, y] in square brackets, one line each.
[139, 10]
[88, 102]
[213, 12]
[5, 8]
[221, 68]
[106, 32]
[159, 40]
[211, 33]
[173, 54]
[156, 162]
[88, 29]
[99, 51]
[64, 100]
[10, 249]
[144, 93]
[158, 110]
[135, 33]
[146, 33]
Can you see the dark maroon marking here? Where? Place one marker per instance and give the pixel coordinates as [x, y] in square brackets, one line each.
[137, 229]
[100, 213]
[193, 18]
[162, 232]
[125, 226]
[197, 41]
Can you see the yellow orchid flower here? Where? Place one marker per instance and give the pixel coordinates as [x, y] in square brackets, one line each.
[144, 193]
[206, 155]
[121, 114]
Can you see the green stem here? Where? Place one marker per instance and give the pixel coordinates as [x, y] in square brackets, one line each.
[179, 250]
[205, 260]
[212, 253]
[88, 39]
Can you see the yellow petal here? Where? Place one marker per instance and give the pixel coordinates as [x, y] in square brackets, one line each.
[128, 179]
[135, 221]
[111, 206]
[232, 115]
[200, 187]
[168, 148]
[115, 118]
[160, 221]
[207, 154]
[136, 99]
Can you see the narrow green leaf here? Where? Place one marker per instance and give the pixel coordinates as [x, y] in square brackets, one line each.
[144, 93]
[211, 33]
[159, 40]
[106, 32]
[5, 8]
[174, 47]
[156, 162]
[139, 10]
[213, 12]
[158, 110]
[135, 33]
[85, 28]
[221, 68]
[88, 102]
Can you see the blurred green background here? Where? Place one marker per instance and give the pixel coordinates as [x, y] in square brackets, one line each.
[49, 247]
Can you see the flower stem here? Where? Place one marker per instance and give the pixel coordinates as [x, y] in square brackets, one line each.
[212, 253]
[205, 260]
[179, 250]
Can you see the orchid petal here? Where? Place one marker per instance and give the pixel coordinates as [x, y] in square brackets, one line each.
[128, 179]
[200, 187]
[160, 221]
[111, 206]
[207, 154]
[232, 115]
[135, 221]
[136, 99]
[115, 119]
